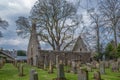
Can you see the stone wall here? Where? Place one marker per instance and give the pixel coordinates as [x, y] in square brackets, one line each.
[64, 56]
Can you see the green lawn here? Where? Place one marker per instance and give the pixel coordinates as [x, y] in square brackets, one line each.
[9, 72]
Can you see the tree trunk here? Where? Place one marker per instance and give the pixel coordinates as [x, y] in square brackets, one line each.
[115, 37]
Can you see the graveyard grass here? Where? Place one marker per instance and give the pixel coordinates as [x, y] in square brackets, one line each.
[9, 72]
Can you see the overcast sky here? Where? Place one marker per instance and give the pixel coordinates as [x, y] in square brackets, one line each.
[10, 10]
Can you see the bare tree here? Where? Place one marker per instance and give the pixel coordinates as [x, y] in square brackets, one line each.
[3, 25]
[110, 10]
[97, 24]
[57, 22]
[24, 27]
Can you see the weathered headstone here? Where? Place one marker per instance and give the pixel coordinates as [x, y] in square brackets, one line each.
[74, 67]
[1, 64]
[115, 67]
[78, 64]
[69, 63]
[102, 67]
[89, 67]
[33, 75]
[107, 65]
[60, 72]
[118, 60]
[82, 74]
[50, 67]
[97, 65]
[94, 64]
[97, 75]
[45, 63]
[21, 70]
[15, 63]
[18, 67]
[57, 60]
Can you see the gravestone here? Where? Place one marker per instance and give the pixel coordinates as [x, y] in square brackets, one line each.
[97, 65]
[15, 63]
[102, 67]
[115, 67]
[97, 75]
[21, 70]
[107, 65]
[69, 63]
[74, 67]
[45, 63]
[57, 60]
[33, 75]
[60, 72]
[89, 67]
[82, 74]
[94, 64]
[118, 60]
[1, 63]
[50, 67]
[78, 64]
[18, 67]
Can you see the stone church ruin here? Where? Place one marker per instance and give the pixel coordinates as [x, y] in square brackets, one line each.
[40, 58]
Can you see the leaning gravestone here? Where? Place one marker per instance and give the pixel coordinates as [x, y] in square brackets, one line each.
[102, 67]
[82, 74]
[97, 75]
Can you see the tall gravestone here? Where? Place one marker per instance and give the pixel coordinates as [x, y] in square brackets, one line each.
[50, 67]
[74, 67]
[118, 60]
[82, 74]
[1, 64]
[21, 70]
[45, 62]
[57, 60]
[102, 67]
[60, 72]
